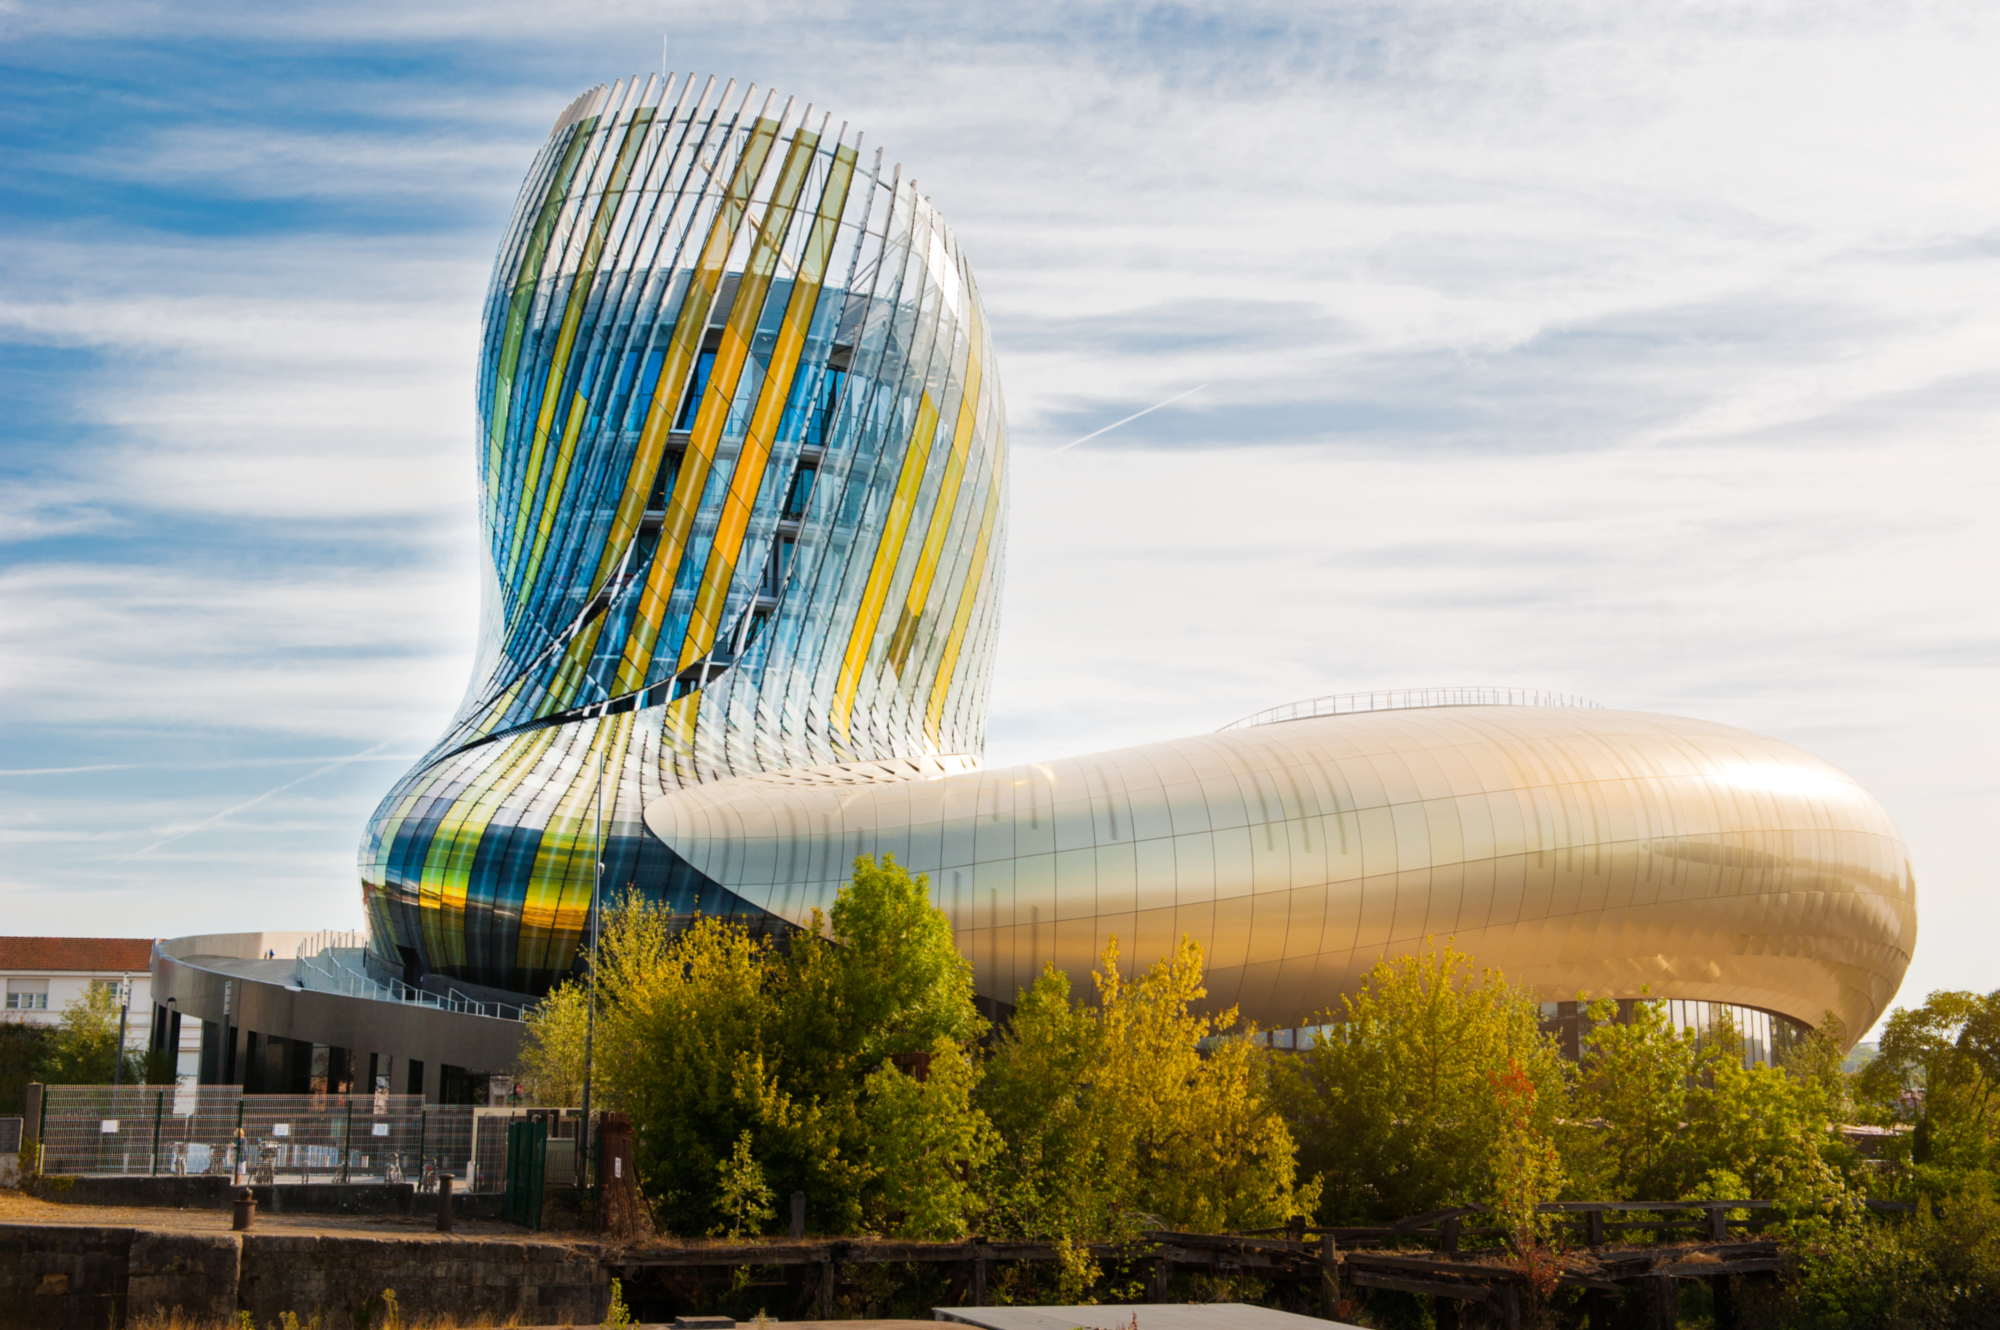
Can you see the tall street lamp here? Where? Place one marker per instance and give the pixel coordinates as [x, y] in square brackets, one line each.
[596, 890]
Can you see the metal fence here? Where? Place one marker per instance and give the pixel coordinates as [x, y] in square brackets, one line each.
[1399, 699]
[270, 1138]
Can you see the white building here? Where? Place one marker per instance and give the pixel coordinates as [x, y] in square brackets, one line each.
[43, 975]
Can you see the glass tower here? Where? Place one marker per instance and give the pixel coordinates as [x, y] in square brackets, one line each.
[743, 504]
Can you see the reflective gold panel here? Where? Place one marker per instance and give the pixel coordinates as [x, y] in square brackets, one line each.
[1579, 850]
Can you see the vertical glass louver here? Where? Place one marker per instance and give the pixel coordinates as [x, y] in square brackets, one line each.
[742, 453]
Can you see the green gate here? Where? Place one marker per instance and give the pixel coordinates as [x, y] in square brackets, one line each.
[527, 1164]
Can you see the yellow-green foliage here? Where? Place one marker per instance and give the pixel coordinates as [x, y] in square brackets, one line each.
[617, 1316]
[1527, 1168]
[735, 1057]
[1631, 1105]
[551, 1069]
[1396, 1104]
[929, 1145]
[1114, 1119]
[743, 1197]
[83, 1049]
[1938, 1073]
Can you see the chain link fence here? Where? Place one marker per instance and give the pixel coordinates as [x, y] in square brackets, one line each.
[269, 1138]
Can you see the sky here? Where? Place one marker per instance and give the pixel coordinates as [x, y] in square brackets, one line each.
[1646, 352]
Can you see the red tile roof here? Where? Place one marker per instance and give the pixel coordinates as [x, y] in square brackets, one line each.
[99, 955]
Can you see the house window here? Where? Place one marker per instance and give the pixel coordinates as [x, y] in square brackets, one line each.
[27, 995]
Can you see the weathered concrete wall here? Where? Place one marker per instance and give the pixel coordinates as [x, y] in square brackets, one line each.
[196, 1272]
[306, 1198]
[68, 1277]
[543, 1283]
[63, 1278]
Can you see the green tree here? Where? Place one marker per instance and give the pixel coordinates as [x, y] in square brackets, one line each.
[929, 1145]
[1631, 1104]
[743, 1197]
[687, 1052]
[723, 1044]
[551, 1065]
[1527, 1167]
[1668, 1114]
[1136, 1112]
[1052, 1178]
[1938, 1072]
[1396, 1105]
[1938, 1268]
[83, 1049]
[1760, 1131]
[23, 1049]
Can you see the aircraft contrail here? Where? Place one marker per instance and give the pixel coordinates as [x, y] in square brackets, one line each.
[249, 803]
[1129, 419]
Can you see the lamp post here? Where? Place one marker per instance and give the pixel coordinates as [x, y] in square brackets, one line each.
[124, 1013]
[596, 883]
[590, 1018]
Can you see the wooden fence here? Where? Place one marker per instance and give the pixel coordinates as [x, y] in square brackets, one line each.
[1624, 1284]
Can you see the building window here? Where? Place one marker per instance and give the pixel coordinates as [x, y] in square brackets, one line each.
[801, 493]
[663, 480]
[777, 566]
[27, 995]
[696, 389]
[819, 416]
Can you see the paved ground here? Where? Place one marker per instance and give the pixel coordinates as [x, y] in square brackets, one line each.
[16, 1208]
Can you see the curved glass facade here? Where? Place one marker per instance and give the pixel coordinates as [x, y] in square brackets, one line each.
[742, 469]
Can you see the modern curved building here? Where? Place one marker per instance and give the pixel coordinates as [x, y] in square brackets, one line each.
[1575, 849]
[742, 456]
[743, 475]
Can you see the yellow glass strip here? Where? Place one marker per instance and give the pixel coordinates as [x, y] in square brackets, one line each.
[887, 551]
[447, 871]
[579, 409]
[941, 514]
[748, 480]
[567, 679]
[549, 908]
[681, 352]
[527, 277]
[579, 298]
[967, 598]
[677, 737]
[490, 719]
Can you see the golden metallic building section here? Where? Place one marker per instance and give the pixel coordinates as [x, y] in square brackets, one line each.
[1579, 850]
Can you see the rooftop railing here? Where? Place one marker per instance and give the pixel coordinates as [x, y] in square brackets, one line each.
[334, 962]
[1401, 699]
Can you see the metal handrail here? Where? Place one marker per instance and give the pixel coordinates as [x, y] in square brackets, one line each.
[321, 968]
[1400, 699]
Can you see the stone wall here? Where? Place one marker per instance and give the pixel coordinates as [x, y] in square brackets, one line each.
[73, 1277]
